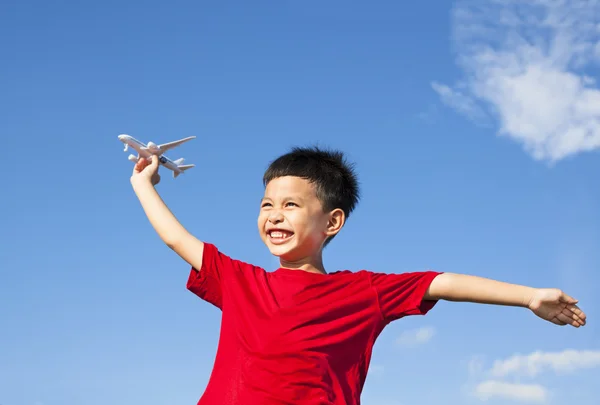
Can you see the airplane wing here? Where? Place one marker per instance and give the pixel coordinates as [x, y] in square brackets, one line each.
[170, 145]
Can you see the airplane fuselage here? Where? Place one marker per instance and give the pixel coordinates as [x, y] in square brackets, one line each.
[146, 151]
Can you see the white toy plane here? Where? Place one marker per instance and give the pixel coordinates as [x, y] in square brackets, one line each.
[146, 151]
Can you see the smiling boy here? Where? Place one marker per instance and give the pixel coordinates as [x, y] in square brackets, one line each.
[300, 334]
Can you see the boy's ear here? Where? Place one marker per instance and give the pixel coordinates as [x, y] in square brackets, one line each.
[337, 218]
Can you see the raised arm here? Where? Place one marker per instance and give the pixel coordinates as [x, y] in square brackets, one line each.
[145, 176]
[549, 304]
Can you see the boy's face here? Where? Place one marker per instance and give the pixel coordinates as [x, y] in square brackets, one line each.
[292, 222]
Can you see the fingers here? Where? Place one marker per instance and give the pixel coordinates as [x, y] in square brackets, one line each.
[565, 319]
[571, 314]
[576, 316]
[569, 318]
[575, 310]
[140, 165]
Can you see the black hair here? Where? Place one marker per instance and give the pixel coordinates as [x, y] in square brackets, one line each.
[335, 181]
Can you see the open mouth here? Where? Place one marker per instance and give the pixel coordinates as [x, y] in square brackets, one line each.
[279, 235]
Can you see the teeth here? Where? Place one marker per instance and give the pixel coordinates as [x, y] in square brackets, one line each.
[279, 234]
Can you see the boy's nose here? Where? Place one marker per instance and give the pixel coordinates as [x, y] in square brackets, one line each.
[276, 218]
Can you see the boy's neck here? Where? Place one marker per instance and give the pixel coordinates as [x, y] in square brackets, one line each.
[311, 264]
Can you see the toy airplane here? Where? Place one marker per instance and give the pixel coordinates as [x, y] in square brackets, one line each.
[146, 151]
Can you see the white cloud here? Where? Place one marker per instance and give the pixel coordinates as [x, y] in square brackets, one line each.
[533, 393]
[493, 382]
[533, 364]
[415, 337]
[459, 101]
[525, 60]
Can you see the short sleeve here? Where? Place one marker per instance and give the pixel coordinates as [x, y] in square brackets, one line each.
[402, 294]
[206, 281]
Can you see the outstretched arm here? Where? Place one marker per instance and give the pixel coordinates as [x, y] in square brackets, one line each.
[144, 178]
[549, 304]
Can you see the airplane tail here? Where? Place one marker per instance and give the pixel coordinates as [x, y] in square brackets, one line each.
[183, 168]
[178, 161]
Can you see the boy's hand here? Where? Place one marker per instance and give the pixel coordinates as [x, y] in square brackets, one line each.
[557, 307]
[145, 170]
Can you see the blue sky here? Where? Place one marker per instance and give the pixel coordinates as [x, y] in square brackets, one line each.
[476, 147]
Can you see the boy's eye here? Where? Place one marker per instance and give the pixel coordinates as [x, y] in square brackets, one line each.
[265, 205]
[291, 204]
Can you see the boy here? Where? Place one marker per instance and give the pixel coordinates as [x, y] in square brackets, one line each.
[300, 335]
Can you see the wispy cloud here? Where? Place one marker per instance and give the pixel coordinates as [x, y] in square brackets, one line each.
[460, 101]
[533, 393]
[525, 65]
[535, 363]
[415, 337]
[493, 383]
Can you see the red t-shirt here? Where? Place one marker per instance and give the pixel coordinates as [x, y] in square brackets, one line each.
[294, 337]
